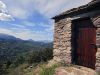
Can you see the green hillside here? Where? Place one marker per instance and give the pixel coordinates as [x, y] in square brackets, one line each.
[15, 52]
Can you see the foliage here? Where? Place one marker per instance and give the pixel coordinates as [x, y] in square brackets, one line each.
[19, 60]
[48, 71]
[40, 69]
[12, 49]
[35, 57]
[32, 57]
[40, 56]
[3, 70]
[18, 70]
[15, 52]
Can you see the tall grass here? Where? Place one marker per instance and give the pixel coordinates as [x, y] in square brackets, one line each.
[48, 71]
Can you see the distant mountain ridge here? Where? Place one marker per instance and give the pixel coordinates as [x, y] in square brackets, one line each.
[8, 37]
[11, 47]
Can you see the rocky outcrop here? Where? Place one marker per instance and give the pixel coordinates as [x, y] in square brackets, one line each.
[74, 71]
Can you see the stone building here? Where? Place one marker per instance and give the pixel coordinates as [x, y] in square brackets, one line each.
[77, 36]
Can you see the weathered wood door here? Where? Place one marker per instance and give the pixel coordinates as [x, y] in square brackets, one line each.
[85, 43]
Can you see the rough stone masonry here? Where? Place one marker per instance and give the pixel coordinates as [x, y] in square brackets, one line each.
[63, 31]
[62, 41]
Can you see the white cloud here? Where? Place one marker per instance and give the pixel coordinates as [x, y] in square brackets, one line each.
[18, 25]
[6, 31]
[2, 7]
[54, 7]
[22, 25]
[50, 29]
[5, 17]
[27, 34]
[24, 8]
[18, 12]
[29, 24]
[3, 13]
[43, 25]
[20, 34]
[50, 7]
[20, 9]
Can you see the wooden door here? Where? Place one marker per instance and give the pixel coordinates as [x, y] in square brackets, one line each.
[85, 42]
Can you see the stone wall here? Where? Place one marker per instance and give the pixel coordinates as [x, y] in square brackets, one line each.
[98, 50]
[96, 22]
[62, 41]
[98, 60]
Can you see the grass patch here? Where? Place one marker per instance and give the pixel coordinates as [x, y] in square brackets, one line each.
[37, 69]
[51, 70]
[48, 71]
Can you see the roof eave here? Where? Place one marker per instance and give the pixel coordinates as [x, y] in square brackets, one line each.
[76, 9]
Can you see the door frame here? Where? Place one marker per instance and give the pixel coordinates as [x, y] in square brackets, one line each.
[74, 45]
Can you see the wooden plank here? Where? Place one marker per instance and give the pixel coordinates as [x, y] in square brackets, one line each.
[86, 41]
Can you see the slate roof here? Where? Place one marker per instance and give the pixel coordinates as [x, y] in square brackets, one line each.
[90, 4]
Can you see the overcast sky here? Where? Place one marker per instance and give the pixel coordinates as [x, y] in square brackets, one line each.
[30, 19]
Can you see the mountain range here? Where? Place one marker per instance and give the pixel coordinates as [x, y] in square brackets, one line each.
[11, 47]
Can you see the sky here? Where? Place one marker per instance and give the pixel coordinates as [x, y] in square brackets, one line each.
[31, 19]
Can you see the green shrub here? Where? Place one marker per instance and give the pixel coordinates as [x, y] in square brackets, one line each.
[40, 56]
[48, 71]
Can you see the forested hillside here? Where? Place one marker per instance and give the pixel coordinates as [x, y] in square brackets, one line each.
[14, 51]
[11, 47]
